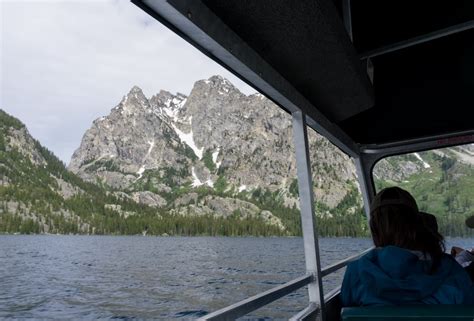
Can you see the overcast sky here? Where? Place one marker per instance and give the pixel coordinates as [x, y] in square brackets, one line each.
[66, 63]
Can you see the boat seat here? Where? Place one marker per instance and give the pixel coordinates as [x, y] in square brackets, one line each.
[412, 312]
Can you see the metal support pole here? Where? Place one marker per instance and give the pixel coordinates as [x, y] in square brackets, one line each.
[365, 182]
[308, 224]
[347, 17]
[419, 40]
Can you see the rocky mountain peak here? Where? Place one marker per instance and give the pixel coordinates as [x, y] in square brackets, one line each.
[167, 105]
[217, 83]
[136, 93]
[166, 99]
[217, 79]
[135, 89]
[133, 102]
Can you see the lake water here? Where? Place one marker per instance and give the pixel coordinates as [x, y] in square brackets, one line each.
[90, 277]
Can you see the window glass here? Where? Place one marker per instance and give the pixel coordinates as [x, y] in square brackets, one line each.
[338, 205]
[441, 180]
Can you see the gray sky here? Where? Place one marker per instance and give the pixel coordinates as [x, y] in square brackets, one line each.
[66, 63]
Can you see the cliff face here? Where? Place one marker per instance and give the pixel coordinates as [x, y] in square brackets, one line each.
[214, 135]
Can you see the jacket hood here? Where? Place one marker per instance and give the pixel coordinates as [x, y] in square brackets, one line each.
[399, 275]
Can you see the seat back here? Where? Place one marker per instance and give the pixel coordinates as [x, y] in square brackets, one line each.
[412, 312]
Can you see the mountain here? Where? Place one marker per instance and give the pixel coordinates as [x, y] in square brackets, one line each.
[215, 162]
[215, 152]
[34, 185]
[39, 195]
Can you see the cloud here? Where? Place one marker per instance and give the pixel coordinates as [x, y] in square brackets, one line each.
[65, 63]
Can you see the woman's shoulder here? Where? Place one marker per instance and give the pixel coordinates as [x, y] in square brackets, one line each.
[457, 283]
[367, 256]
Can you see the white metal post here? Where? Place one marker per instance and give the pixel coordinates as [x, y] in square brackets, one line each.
[308, 224]
[365, 183]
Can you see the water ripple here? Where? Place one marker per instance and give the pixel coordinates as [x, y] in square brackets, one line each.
[128, 278]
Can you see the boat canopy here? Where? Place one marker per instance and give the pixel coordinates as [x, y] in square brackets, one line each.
[364, 72]
[376, 78]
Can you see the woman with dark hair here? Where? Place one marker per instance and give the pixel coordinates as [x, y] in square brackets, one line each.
[408, 265]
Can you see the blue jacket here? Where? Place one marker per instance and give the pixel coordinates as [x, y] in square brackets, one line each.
[396, 276]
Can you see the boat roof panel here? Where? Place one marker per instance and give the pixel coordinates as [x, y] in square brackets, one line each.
[378, 23]
[308, 45]
[424, 90]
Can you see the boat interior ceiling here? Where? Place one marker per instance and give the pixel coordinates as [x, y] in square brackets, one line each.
[371, 72]
[308, 45]
[426, 89]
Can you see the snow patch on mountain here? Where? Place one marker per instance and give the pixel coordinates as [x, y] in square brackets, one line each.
[209, 183]
[188, 139]
[140, 172]
[171, 113]
[173, 107]
[214, 157]
[425, 164]
[142, 168]
[152, 144]
[196, 181]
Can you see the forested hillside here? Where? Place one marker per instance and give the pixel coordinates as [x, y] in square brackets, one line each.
[442, 182]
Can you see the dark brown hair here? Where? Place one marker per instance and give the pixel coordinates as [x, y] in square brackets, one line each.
[403, 226]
